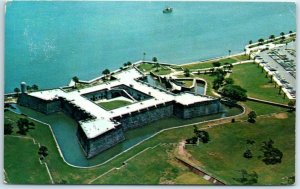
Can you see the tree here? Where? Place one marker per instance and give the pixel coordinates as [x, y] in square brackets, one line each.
[229, 81]
[271, 154]
[129, 63]
[290, 32]
[144, 56]
[8, 128]
[216, 64]
[217, 82]
[186, 72]
[154, 59]
[247, 178]
[282, 33]
[35, 87]
[75, 79]
[234, 92]
[43, 151]
[261, 40]
[272, 37]
[24, 125]
[192, 140]
[248, 154]
[202, 135]
[17, 90]
[250, 42]
[106, 72]
[156, 65]
[251, 117]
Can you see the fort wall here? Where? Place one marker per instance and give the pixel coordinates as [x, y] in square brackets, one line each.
[135, 119]
[145, 116]
[197, 109]
[94, 146]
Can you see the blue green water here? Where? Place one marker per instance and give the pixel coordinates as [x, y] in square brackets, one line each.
[47, 43]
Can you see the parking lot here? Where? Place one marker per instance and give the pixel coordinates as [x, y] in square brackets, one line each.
[281, 63]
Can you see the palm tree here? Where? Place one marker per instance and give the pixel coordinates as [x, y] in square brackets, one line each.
[279, 91]
[106, 72]
[290, 32]
[144, 56]
[250, 42]
[157, 65]
[76, 80]
[282, 33]
[272, 37]
[229, 51]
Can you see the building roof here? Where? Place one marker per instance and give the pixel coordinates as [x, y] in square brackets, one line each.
[103, 118]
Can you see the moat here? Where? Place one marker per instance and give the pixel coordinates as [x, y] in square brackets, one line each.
[65, 128]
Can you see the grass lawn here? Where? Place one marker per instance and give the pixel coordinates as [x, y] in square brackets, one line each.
[145, 67]
[21, 162]
[208, 64]
[114, 104]
[164, 164]
[162, 71]
[223, 155]
[261, 108]
[250, 77]
[160, 168]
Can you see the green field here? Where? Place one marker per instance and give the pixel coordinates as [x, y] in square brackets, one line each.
[223, 155]
[145, 67]
[162, 71]
[160, 168]
[21, 162]
[250, 77]
[114, 104]
[61, 172]
[208, 64]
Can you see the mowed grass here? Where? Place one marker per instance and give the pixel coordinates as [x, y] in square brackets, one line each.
[60, 171]
[250, 77]
[223, 155]
[21, 162]
[208, 64]
[114, 104]
[162, 71]
[160, 167]
[261, 108]
[145, 67]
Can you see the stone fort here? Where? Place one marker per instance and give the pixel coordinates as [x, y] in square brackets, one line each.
[99, 128]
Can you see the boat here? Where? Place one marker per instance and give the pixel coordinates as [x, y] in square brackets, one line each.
[168, 10]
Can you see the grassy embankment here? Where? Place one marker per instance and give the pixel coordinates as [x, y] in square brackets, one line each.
[135, 167]
[208, 64]
[161, 70]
